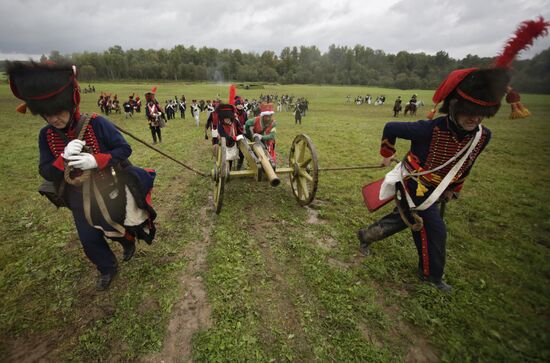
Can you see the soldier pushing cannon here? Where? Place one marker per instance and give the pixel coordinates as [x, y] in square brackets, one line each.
[258, 148]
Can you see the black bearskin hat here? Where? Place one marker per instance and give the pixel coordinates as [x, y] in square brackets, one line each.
[225, 111]
[47, 89]
[479, 93]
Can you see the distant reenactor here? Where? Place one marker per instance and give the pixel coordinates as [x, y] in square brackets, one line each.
[128, 109]
[397, 106]
[182, 107]
[263, 128]
[195, 112]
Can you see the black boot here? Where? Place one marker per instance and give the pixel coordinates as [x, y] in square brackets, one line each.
[129, 251]
[389, 225]
[364, 243]
[367, 236]
[104, 280]
[438, 283]
[441, 285]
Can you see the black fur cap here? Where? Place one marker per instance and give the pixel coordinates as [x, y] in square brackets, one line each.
[486, 85]
[31, 80]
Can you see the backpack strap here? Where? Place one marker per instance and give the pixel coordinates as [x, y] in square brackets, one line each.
[80, 130]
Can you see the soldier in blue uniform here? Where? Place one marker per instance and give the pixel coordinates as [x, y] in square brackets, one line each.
[86, 158]
[442, 153]
[446, 146]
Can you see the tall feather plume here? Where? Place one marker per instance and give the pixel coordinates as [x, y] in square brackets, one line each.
[522, 39]
[232, 93]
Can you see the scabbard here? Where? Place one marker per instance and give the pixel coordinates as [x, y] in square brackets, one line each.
[442, 207]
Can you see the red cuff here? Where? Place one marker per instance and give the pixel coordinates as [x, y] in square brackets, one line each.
[387, 149]
[385, 152]
[458, 188]
[102, 160]
[59, 163]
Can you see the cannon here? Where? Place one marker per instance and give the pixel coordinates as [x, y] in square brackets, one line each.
[303, 168]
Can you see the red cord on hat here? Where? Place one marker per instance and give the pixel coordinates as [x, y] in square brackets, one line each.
[475, 100]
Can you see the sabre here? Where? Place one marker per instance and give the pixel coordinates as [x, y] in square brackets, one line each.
[442, 208]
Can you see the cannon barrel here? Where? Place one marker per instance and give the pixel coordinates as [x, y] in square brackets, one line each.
[266, 164]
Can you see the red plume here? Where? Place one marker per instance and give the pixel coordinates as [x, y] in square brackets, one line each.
[232, 93]
[522, 39]
[154, 89]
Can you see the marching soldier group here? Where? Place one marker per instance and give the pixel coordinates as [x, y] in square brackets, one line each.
[108, 105]
[85, 158]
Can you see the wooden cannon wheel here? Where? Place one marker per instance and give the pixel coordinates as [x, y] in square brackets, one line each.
[220, 175]
[304, 176]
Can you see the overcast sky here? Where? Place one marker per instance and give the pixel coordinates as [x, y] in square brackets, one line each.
[35, 27]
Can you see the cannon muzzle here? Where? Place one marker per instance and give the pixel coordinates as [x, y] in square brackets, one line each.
[275, 181]
[266, 164]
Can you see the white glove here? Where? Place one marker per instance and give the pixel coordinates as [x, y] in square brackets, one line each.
[240, 137]
[82, 161]
[74, 147]
[257, 136]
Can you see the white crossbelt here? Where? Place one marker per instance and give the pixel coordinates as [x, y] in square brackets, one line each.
[447, 179]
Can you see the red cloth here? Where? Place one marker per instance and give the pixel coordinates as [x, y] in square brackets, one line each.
[214, 120]
[258, 126]
[102, 159]
[232, 93]
[450, 83]
[371, 194]
[59, 163]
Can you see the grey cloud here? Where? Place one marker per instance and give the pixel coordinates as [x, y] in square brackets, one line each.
[458, 27]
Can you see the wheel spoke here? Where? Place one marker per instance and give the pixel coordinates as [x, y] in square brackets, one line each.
[303, 184]
[298, 151]
[302, 151]
[292, 158]
[304, 174]
[305, 162]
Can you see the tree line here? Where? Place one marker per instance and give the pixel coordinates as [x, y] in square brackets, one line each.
[339, 65]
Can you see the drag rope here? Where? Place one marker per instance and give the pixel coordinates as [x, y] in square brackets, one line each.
[353, 167]
[162, 152]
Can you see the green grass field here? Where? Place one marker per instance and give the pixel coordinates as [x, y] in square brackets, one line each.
[268, 280]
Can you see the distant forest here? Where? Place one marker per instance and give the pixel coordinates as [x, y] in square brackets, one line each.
[339, 65]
